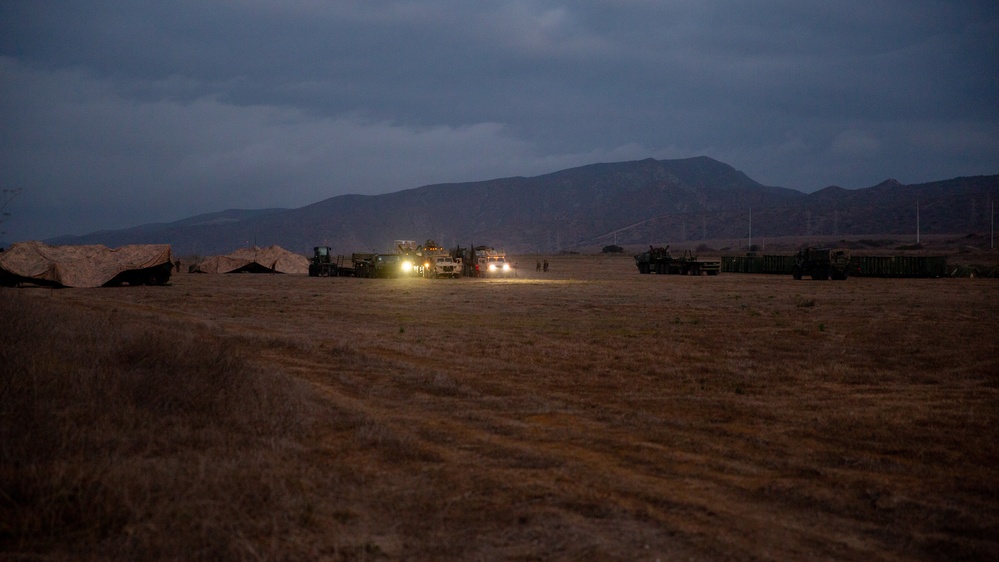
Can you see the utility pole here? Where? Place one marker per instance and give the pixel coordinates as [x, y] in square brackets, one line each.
[917, 221]
[7, 197]
[992, 239]
[750, 229]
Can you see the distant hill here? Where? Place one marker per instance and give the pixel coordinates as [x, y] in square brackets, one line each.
[640, 202]
[164, 233]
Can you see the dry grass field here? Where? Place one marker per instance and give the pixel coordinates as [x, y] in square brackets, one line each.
[588, 414]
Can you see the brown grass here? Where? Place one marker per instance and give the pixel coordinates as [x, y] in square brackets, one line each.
[591, 413]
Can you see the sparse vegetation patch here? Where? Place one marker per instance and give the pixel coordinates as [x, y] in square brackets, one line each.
[595, 413]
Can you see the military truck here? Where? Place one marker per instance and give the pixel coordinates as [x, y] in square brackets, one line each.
[482, 261]
[383, 265]
[821, 263]
[659, 260]
[490, 261]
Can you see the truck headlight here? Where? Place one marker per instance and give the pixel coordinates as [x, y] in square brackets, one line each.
[407, 266]
[506, 267]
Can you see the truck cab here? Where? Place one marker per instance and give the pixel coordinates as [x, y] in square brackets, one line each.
[822, 264]
[321, 264]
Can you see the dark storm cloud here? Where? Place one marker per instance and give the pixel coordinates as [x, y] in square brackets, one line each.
[117, 114]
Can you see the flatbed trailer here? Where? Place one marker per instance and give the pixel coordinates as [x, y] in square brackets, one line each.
[323, 264]
[659, 260]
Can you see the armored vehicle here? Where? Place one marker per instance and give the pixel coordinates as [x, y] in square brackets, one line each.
[441, 266]
[435, 261]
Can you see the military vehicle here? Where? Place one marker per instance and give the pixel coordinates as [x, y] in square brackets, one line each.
[322, 264]
[441, 266]
[659, 260]
[489, 261]
[383, 265]
[821, 263]
[435, 261]
[482, 261]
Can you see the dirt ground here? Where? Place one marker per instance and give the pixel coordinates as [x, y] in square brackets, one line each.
[595, 413]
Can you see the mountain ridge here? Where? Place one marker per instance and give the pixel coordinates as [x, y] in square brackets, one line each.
[635, 202]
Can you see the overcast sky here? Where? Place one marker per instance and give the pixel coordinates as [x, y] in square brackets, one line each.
[116, 114]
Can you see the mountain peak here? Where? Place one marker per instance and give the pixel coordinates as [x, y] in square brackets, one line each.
[831, 189]
[890, 182]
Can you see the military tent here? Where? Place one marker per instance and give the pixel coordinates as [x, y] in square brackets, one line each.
[273, 259]
[85, 266]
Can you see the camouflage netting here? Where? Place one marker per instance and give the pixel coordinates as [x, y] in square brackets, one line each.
[81, 266]
[273, 259]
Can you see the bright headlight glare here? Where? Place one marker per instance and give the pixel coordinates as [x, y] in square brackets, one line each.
[406, 266]
[506, 267]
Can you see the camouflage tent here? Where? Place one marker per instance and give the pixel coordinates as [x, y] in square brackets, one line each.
[273, 259]
[85, 266]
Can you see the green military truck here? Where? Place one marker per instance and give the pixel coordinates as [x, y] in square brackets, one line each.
[383, 265]
[821, 263]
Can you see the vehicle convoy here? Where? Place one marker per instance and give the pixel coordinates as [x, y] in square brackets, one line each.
[409, 259]
[821, 263]
[659, 260]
